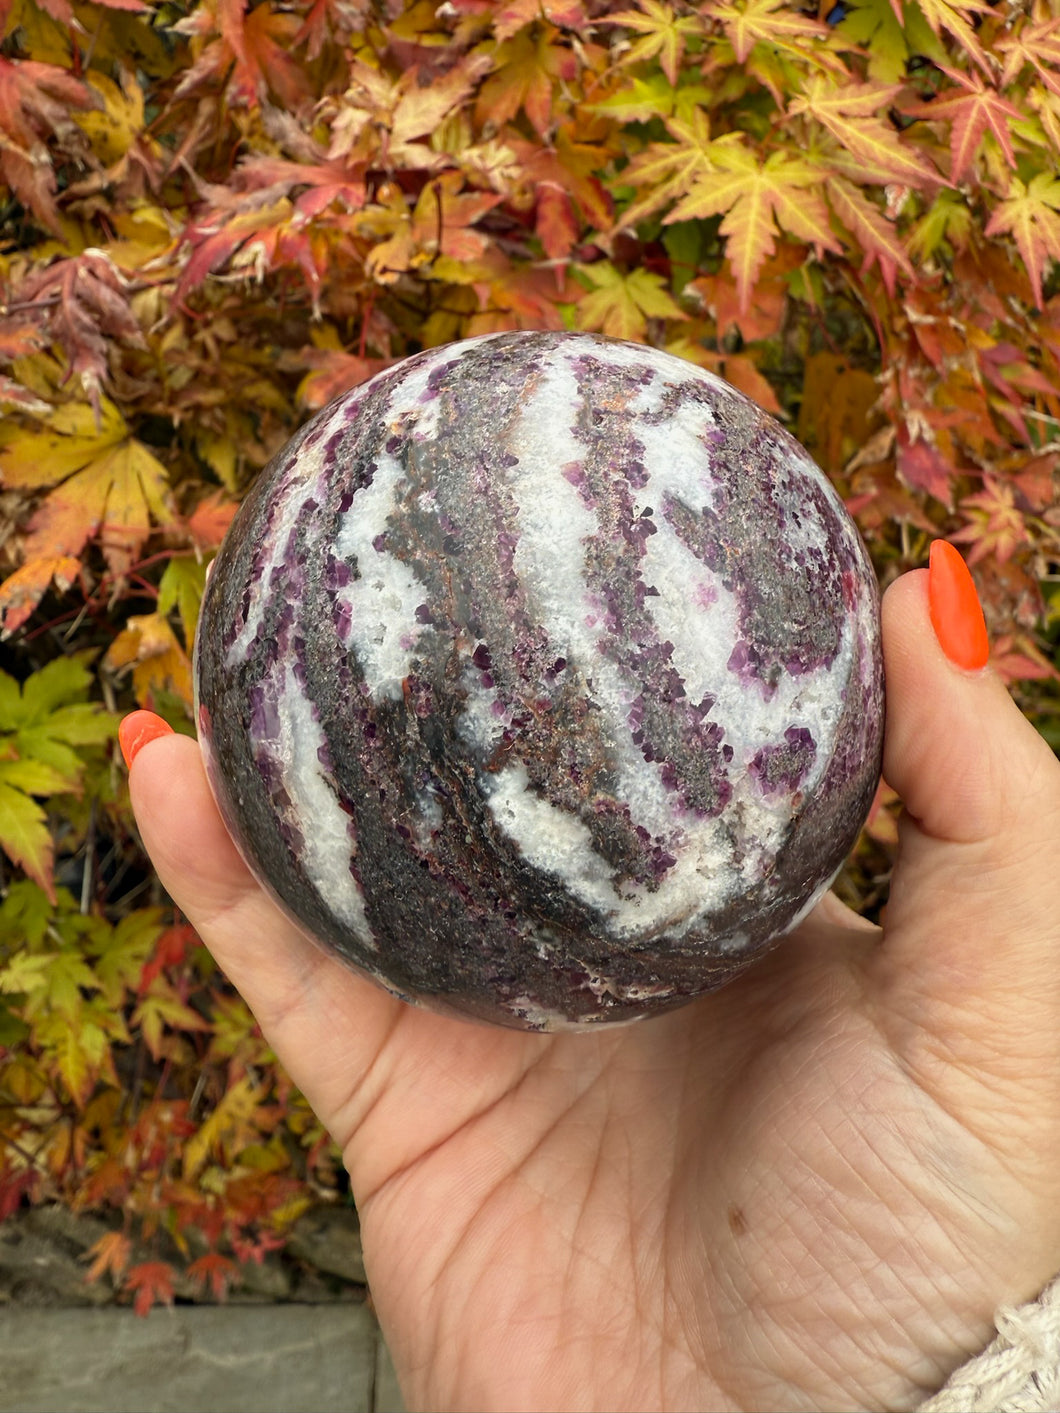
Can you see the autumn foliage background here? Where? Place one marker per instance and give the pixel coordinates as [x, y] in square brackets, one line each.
[216, 216]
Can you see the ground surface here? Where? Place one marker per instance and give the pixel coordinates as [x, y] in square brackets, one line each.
[296, 1333]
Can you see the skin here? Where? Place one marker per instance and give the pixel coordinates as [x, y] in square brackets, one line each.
[810, 1190]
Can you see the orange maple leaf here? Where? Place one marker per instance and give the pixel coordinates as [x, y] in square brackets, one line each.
[111, 1252]
[527, 69]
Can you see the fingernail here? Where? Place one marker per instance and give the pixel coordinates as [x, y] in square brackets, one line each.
[137, 729]
[956, 614]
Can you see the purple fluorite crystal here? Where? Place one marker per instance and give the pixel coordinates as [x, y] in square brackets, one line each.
[540, 678]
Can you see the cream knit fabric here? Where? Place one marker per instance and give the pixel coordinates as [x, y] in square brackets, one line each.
[1018, 1373]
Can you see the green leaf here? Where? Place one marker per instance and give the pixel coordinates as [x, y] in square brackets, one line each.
[41, 723]
[24, 836]
[181, 587]
[121, 954]
[13, 1029]
[10, 703]
[35, 777]
[26, 912]
[63, 680]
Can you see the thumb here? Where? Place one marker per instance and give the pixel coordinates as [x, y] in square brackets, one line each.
[972, 927]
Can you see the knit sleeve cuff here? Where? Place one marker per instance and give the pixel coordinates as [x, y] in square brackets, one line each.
[1019, 1372]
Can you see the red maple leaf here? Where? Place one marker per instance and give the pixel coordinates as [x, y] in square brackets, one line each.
[170, 950]
[215, 1271]
[924, 468]
[35, 100]
[82, 304]
[150, 1281]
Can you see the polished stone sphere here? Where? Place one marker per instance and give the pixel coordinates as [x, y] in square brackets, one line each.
[540, 678]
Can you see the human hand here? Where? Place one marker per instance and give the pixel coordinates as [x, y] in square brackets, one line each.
[808, 1190]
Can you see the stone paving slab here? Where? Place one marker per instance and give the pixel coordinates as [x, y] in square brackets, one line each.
[195, 1359]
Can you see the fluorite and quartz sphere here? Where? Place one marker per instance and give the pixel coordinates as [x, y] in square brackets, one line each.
[540, 679]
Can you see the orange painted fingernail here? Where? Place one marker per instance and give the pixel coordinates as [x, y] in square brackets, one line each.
[956, 614]
[137, 729]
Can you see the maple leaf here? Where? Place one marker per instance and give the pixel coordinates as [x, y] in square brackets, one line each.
[554, 221]
[669, 169]
[22, 591]
[972, 113]
[231, 1126]
[754, 200]
[385, 122]
[923, 467]
[120, 954]
[181, 588]
[215, 1271]
[208, 523]
[621, 304]
[35, 100]
[995, 525]
[874, 25]
[1016, 658]
[665, 36]
[1031, 214]
[873, 234]
[514, 15]
[148, 1282]
[952, 16]
[111, 487]
[573, 167]
[41, 723]
[158, 662]
[235, 1034]
[169, 950]
[334, 20]
[251, 53]
[111, 1253]
[1034, 42]
[848, 112]
[75, 1047]
[770, 22]
[82, 304]
[160, 1008]
[333, 371]
[527, 69]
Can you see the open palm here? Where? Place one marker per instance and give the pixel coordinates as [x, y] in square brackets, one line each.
[808, 1190]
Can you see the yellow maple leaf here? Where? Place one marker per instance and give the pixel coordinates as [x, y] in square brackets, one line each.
[664, 35]
[230, 1127]
[667, 170]
[770, 22]
[1031, 215]
[620, 304]
[849, 113]
[754, 200]
[107, 485]
[149, 646]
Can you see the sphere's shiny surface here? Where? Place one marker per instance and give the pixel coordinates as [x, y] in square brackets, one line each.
[540, 678]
